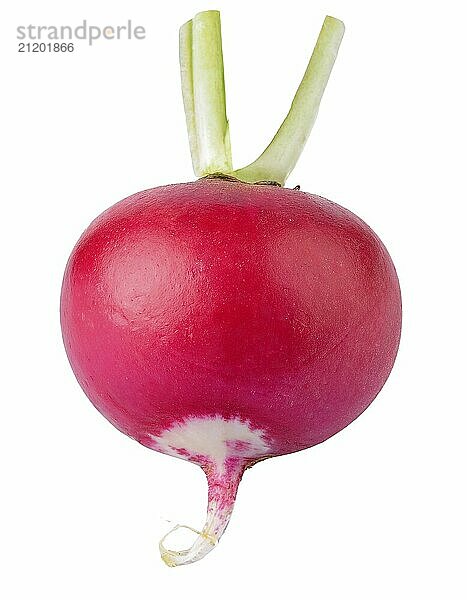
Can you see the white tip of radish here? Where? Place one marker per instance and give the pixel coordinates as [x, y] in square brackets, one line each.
[214, 439]
[206, 540]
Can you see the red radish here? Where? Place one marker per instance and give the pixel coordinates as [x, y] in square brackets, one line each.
[226, 322]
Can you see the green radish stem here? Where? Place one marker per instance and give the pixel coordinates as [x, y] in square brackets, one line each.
[280, 157]
[202, 73]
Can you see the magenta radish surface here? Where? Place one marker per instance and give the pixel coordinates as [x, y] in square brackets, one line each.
[231, 319]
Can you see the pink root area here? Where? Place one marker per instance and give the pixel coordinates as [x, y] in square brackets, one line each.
[222, 487]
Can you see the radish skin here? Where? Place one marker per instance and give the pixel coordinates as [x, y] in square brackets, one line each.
[222, 344]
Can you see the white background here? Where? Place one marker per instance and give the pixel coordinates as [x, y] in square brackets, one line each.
[378, 511]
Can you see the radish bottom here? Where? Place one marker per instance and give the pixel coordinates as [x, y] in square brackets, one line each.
[223, 448]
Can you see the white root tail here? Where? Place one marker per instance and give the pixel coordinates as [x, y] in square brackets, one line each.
[221, 497]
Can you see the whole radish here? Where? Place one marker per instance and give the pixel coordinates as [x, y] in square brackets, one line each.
[231, 319]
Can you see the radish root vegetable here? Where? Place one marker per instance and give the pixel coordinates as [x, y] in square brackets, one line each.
[230, 319]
